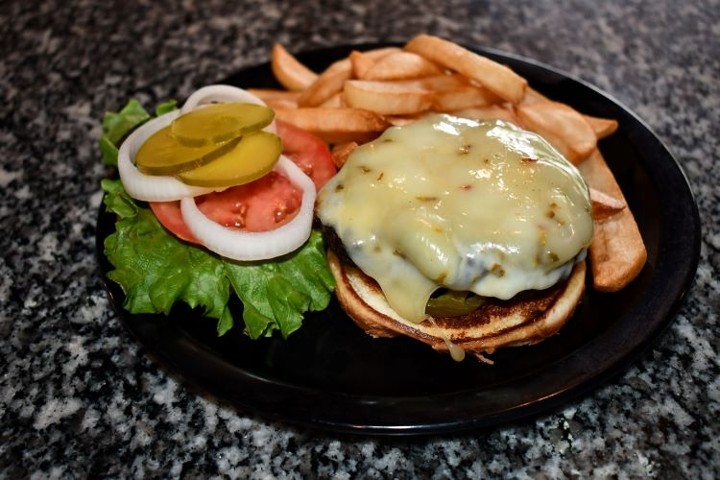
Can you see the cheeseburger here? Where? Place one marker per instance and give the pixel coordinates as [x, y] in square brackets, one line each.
[466, 235]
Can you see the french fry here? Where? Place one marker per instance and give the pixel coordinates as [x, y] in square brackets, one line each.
[400, 120]
[276, 98]
[380, 52]
[400, 65]
[498, 78]
[361, 63]
[387, 98]
[603, 127]
[407, 97]
[330, 82]
[291, 74]
[561, 125]
[336, 125]
[604, 205]
[533, 96]
[440, 83]
[342, 65]
[364, 61]
[468, 96]
[617, 251]
[490, 112]
[342, 151]
[336, 101]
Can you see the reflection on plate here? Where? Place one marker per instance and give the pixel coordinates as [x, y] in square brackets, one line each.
[331, 375]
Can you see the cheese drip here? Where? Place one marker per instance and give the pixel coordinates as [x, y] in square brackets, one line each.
[457, 203]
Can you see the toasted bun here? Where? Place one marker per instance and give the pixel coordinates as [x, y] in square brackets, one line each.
[527, 319]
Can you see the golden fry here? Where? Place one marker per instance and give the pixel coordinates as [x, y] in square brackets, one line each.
[336, 125]
[562, 126]
[342, 151]
[468, 96]
[364, 61]
[603, 127]
[604, 205]
[617, 252]
[276, 98]
[387, 98]
[533, 96]
[291, 74]
[336, 101]
[400, 66]
[490, 112]
[361, 63]
[329, 83]
[498, 78]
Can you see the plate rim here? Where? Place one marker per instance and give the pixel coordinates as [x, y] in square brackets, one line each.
[548, 402]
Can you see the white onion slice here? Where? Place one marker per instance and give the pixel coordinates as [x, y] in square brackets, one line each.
[151, 188]
[223, 93]
[249, 246]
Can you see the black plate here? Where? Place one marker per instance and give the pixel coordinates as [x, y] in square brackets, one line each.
[332, 376]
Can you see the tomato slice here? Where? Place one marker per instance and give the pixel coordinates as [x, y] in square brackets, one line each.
[259, 206]
[264, 204]
[170, 217]
[308, 152]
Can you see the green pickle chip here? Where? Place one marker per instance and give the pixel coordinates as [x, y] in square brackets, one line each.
[253, 156]
[161, 154]
[451, 303]
[218, 123]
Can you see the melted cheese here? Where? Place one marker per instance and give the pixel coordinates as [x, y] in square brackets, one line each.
[461, 204]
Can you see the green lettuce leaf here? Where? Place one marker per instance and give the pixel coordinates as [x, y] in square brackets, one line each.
[156, 270]
[117, 125]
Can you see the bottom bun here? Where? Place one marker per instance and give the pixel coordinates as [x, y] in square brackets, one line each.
[528, 318]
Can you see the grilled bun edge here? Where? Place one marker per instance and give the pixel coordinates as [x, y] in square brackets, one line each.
[527, 319]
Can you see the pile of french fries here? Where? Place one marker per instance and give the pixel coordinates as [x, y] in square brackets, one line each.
[356, 98]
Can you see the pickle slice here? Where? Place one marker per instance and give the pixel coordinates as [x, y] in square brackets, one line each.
[161, 154]
[220, 122]
[253, 156]
[451, 303]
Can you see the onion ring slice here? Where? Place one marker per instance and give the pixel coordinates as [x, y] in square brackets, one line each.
[250, 246]
[151, 188]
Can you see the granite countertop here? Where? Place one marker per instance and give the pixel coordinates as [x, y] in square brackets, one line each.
[79, 398]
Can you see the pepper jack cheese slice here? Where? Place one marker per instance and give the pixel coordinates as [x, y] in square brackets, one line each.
[459, 204]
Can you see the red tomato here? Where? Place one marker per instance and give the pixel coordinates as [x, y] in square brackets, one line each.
[265, 203]
[169, 216]
[258, 206]
[308, 152]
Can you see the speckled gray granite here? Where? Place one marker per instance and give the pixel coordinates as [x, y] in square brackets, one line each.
[80, 399]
